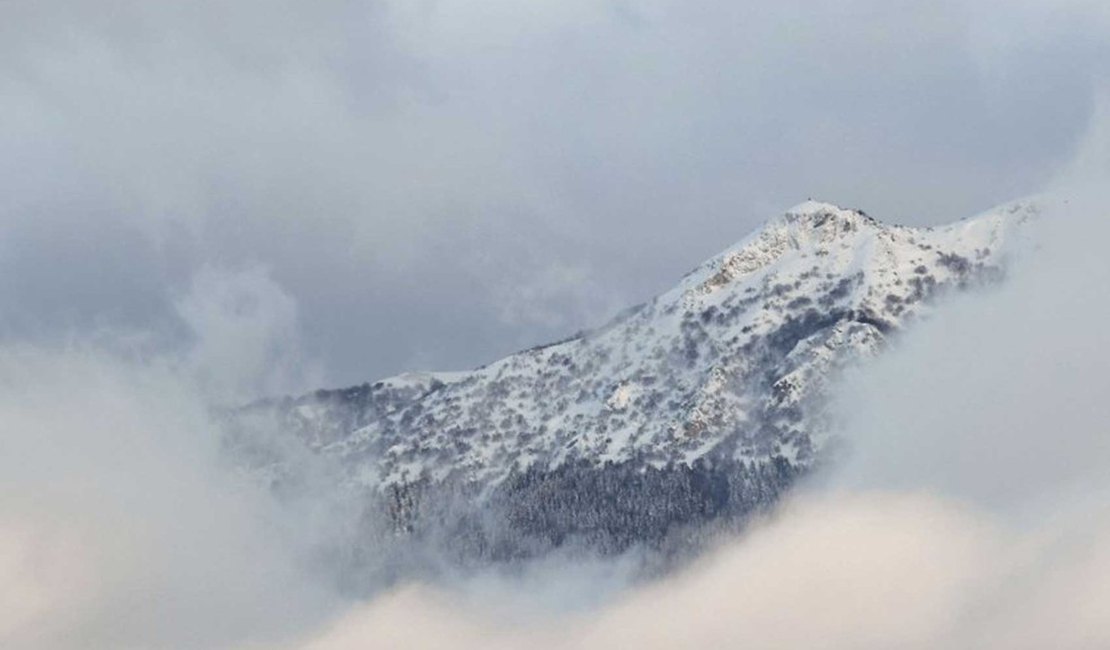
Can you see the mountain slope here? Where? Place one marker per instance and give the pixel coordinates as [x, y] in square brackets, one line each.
[727, 370]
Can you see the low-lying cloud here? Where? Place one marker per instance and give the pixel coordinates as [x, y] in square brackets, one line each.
[873, 570]
[122, 522]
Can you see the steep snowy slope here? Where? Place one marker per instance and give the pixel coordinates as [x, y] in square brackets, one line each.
[728, 362]
[728, 370]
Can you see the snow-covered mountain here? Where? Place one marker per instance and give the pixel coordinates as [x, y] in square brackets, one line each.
[727, 370]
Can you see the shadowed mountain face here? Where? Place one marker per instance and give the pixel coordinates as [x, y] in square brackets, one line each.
[684, 414]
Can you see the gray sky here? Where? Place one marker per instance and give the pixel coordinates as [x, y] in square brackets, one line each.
[391, 185]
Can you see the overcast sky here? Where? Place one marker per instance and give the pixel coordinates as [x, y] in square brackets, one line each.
[422, 184]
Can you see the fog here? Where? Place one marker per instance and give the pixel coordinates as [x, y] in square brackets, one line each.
[204, 203]
[122, 522]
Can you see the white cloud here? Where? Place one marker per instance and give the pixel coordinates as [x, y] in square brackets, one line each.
[121, 526]
[247, 337]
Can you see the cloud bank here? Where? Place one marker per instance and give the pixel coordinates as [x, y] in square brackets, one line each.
[122, 522]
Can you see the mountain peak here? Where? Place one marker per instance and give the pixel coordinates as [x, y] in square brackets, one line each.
[816, 214]
[812, 225]
[811, 207]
